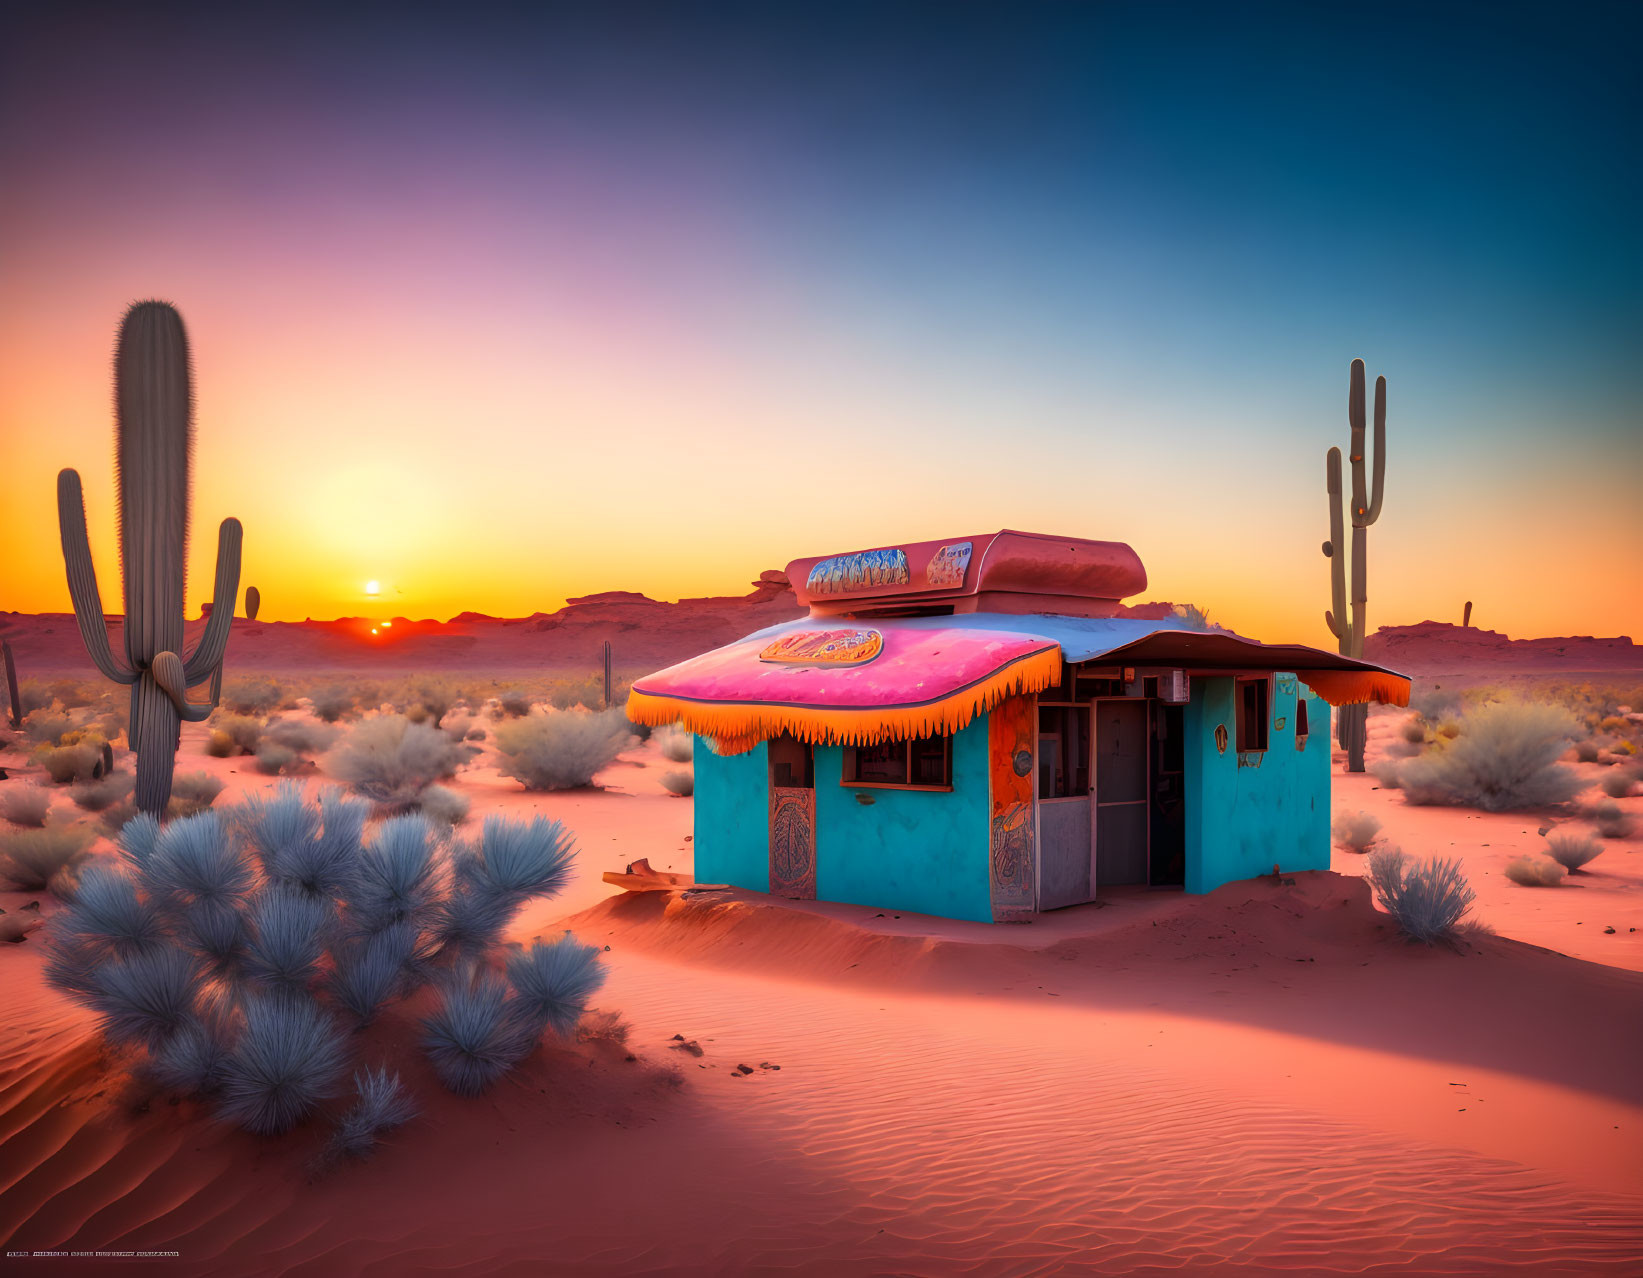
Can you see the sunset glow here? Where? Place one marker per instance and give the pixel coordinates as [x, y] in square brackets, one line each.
[518, 333]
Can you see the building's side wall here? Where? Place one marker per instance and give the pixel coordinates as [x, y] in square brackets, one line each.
[1247, 813]
[733, 817]
[917, 850]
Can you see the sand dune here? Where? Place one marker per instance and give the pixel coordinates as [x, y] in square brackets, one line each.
[1266, 1080]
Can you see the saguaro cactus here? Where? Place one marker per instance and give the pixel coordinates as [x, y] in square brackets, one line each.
[15, 698]
[1353, 721]
[607, 674]
[1466, 617]
[253, 601]
[153, 446]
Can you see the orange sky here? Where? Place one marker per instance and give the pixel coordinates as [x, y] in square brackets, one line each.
[498, 316]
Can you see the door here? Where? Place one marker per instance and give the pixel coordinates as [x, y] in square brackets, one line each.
[792, 819]
[1064, 828]
[1122, 807]
[1167, 857]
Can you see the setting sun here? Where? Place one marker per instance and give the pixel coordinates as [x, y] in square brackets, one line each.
[373, 587]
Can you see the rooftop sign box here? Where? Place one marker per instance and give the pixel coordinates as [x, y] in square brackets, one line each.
[1009, 572]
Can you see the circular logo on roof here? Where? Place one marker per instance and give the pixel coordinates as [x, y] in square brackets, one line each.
[824, 647]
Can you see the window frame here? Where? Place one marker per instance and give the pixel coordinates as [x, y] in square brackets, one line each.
[1241, 717]
[848, 760]
[1303, 717]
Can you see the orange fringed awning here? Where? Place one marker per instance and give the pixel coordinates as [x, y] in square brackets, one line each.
[736, 726]
[844, 682]
[1351, 687]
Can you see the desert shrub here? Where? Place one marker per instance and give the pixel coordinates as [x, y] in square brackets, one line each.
[1572, 851]
[456, 725]
[1618, 784]
[301, 736]
[1504, 758]
[81, 761]
[476, 734]
[35, 694]
[382, 1105]
[1611, 820]
[333, 702]
[231, 953]
[1388, 772]
[391, 760]
[1355, 831]
[28, 805]
[1413, 730]
[274, 759]
[1434, 702]
[514, 702]
[563, 749]
[1587, 750]
[1534, 871]
[252, 695]
[34, 860]
[45, 726]
[1427, 900]
[677, 744]
[682, 784]
[233, 734]
[95, 796]
[444, 805]
[71, 694]
[193, 792]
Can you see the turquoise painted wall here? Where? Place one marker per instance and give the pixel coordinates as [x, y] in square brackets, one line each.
[732, 817]
[921, 851]
[1246, 814]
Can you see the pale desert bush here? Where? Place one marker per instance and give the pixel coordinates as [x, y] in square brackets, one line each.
[1504, 758]
[1572, 851]
[301, 736]
[274, 759]
[678, 746]
[1589, 750]
[562, 749]
[81, 761]
[1534, 871]
[1427, 899]
[443, 805]
[233, 734]
[34, 860]
[1355, 831]
[1611, 820]
[1389, 772]
[95, 796]
[28, 805]
[682, 784]
[391, 760]
[1618, 784]
[1413, 730]
[231, 955]
[514, 702]
[252, 695]
[333, 702]
[193, 792]
[44, 726]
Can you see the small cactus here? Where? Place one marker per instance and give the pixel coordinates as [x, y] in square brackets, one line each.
[1466, 617]
[154, 434]
[607, 674]
[253, 601]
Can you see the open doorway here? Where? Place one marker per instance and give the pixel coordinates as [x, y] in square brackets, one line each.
[1167, 864]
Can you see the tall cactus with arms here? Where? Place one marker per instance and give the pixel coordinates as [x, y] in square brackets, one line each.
[153, 446]
[1366, 509]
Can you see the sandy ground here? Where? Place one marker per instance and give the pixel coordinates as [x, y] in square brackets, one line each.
[1264, 1080]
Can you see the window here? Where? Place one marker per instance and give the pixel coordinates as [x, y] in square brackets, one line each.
[1063, 752]
[792, 763]
[924, 764]
[1300, 721]
[1253, 700]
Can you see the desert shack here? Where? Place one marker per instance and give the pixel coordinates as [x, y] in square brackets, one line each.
[967, 728]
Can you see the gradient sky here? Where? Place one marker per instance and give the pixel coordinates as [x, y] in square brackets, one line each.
[506, 308]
